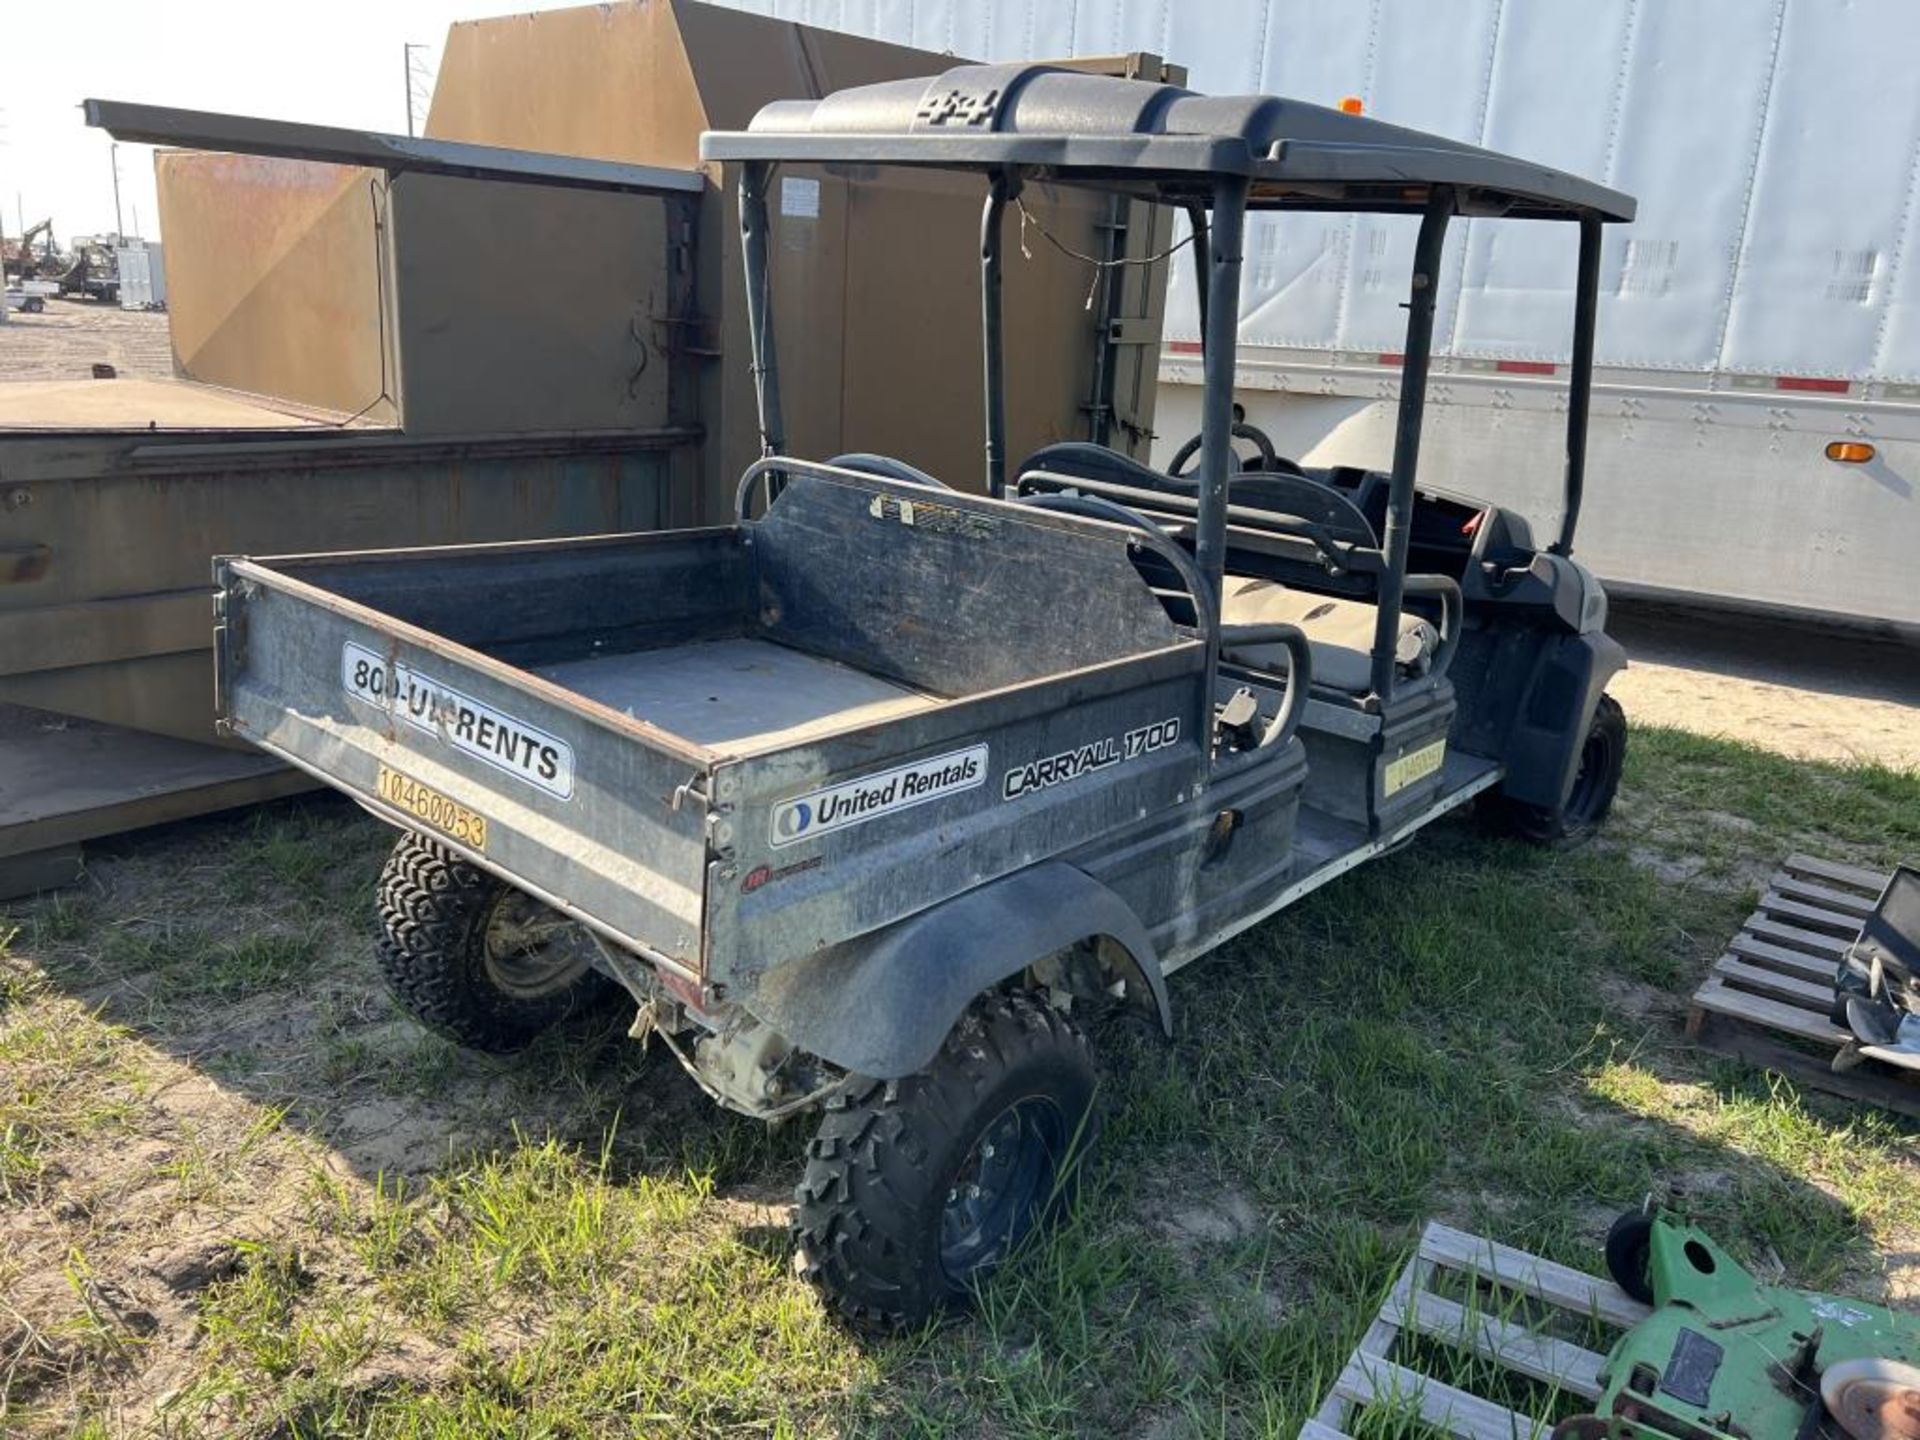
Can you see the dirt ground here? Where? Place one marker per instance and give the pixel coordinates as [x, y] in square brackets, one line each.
[1794, 690]
[71, 336]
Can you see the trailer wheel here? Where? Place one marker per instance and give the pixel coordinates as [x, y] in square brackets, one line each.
[475, 959]
[1603, 755]
[916, 1189]
[1629, 1254]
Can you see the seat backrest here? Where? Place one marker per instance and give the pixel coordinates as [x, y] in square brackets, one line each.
[1273, 490]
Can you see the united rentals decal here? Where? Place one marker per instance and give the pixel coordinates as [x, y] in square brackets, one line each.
[1095, 755]
[854, 802]
[471, 726]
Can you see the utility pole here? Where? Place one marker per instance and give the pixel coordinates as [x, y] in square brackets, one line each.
[25, 252]
[406, 55]
[113, 154]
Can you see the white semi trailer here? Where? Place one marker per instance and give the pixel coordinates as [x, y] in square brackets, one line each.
[1756, 416]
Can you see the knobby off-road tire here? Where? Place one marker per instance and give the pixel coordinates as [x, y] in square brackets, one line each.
[474, 959]
[1603, 755]
[916, 1189]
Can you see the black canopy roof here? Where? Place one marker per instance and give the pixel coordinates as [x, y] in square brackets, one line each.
[1157, 140]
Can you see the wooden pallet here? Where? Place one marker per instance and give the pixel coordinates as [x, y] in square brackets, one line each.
[1767, 999]
[1383, 1370]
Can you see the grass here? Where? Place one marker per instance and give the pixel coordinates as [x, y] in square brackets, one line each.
[240, 1195]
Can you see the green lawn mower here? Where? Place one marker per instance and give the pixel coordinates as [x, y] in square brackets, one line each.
[1724, 1357]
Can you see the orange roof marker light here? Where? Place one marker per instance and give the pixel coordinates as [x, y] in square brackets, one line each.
[1352, 105]
[1851, 452]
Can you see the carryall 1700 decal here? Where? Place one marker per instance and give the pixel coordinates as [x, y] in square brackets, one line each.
[854, 802]
[1099, 754]
[469, 725]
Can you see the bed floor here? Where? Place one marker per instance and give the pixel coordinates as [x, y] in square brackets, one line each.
[746, 693]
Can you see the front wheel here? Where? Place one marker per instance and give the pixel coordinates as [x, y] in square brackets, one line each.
[916, 1189]
[1603, 755]
[475, 959]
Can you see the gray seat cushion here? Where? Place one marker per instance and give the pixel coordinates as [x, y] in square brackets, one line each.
[1339, 632]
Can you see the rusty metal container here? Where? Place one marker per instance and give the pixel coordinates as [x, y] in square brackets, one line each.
[529, 309]
[534, 360]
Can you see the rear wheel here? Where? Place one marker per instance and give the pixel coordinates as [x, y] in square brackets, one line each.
[1603, 755]
[475, 959]
[917, 1189]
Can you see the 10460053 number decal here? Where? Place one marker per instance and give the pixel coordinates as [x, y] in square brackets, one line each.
[426, 804]
[1413, 766]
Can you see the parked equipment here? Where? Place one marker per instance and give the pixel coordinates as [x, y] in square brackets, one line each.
[93, 274]
[19, 260]
[1877, 985]
[1724, 1357]
[866, 799]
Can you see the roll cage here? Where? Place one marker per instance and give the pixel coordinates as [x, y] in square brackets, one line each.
[1215, 158]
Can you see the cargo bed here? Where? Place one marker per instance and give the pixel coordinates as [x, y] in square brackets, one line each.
[786, 720]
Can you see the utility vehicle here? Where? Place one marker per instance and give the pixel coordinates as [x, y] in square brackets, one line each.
[868, 800]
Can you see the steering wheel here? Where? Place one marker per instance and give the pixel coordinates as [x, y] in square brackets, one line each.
[1269, 459]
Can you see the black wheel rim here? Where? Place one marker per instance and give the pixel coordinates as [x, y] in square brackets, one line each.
[1000, 1188]
[532, 950]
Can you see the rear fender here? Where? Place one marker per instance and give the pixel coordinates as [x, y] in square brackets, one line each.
[881, 1004]
[1543, 748]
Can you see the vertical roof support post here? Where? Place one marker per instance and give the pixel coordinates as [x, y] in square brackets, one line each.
[1406, 434]
[1218, 351]
[1197, 218]
[1586, 307]
[1004, 186]
[754, 178]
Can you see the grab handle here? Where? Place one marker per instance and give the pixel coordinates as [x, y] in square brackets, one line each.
[1299, 672]
[1453, 613]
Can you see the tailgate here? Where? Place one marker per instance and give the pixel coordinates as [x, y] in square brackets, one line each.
[565, 799]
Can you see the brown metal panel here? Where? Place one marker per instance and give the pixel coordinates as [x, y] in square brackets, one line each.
[273, 277]
[494, 335]
[877, 316]
[610, 81]
[119, 532]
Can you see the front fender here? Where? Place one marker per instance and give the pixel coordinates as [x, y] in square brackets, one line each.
[881, 1004]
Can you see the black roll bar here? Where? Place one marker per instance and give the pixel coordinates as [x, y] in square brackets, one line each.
[1406, 433]
[1197, 218]
[1586, 306]
[1002, 188]
[1219, 353]
[754, 178]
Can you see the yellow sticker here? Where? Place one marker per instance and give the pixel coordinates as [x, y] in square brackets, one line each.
[427, 804]
[1415, 765]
